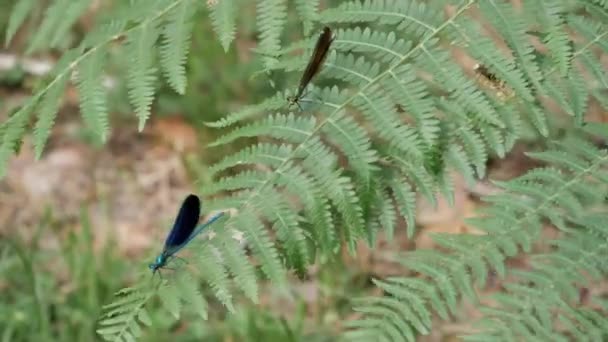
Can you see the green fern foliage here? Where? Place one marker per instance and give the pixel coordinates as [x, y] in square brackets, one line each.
[568, 194]
[156, 35]
[546, 300]
[391, 115]
[142, 73]
[176, 35]
[161, 25]
[92, 95]
[376, 141]
[307, 10]
[58, 18]
[223, 16]
[123, 317]
[18, 15]
[271, 17]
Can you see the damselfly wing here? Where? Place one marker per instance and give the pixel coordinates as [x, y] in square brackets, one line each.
[183, 231]
[315, 63]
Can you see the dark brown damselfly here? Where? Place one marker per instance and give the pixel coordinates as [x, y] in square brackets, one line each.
[314, 64]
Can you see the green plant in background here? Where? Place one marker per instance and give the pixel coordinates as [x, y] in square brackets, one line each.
[53, 293]
[397, 115]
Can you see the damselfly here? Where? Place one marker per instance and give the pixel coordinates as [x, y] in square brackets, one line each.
[314, 64]
[183, 231]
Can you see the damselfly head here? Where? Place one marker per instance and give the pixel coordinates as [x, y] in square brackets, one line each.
[159, 262]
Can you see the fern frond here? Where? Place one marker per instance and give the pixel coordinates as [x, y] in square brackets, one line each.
[551, 18]
[50, 102]
[92, 95]
[141, 76]
[286, 222]
[403, 115]
[320, 163]
[263, 153]
[383, 46]
[240, 268]
[12, 132]
[316, 206]
[53, 17]
[292, 128]
[271, 16]
[19, 13]
[169, 295]
[412, 95]
[223, 15]
[406, 202]
[122, 318]
[307, 11]
[70, 13]
[210, 260]
[552, 290]
[352, 139]
[512, 28]
[379, 110]
[271, 104]
[513, 222]
[258, 239]
[176, 39]
[415, 19]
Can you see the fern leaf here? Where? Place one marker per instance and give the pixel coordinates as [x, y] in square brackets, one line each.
[349, 136]
[271, 15]
[223, 16]
[385, 47]
[239, 267]
[307, 11]
[292, 128]
[47, 111]
[122, 317]
[53, 17]
[263, 153]
[257, 237]
[386, 214]
[413, 96]
[92, 95]
[102, 33]
[170, 298]
[271, 104]
[190, 294]
[176, 40]
[406, 202]
[413, 18]
[19, 13]
[512, 28]
[338, 188]
[70, 15]
[316, 206]
[141, 76]
[286, 222]
[210, 260]
[13, 130]
[379, 110]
